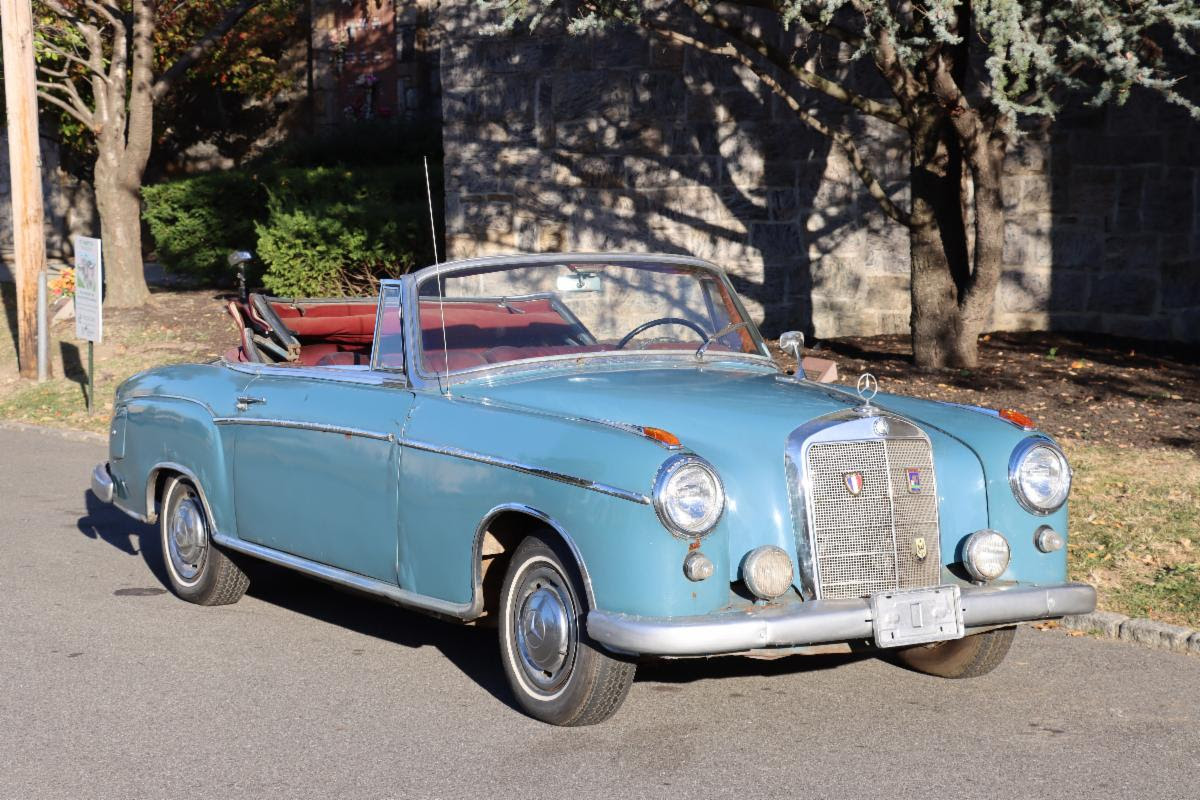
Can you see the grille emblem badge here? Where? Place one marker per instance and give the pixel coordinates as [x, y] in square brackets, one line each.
[919, 548]
[854, 482]
[914, 480]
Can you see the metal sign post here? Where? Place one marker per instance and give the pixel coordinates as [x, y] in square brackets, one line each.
[89, 313]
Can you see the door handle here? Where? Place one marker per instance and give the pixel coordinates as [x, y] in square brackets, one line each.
[244, 403]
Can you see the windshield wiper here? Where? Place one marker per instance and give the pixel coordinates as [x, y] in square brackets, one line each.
[712, 337]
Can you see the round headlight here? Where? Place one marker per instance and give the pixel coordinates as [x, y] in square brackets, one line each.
[985, 555]
[688, 496]
[767, 571]
[1040, 476]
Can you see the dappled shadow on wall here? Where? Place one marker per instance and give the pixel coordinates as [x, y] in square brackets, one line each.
[617, 142]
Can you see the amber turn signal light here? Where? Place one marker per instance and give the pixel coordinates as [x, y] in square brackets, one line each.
[659, 435]
[1017, 418]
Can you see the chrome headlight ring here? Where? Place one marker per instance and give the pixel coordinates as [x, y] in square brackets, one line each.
[678, 493]
[1017, 463]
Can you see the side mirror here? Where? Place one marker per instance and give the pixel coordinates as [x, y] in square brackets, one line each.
[792, 342]
[240, 257]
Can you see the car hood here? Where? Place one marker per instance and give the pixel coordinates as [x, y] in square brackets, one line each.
[739, 419]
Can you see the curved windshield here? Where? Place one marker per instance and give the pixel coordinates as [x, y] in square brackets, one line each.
[493, 315]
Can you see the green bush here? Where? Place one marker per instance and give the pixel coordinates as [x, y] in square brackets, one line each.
[196, 221]
[336, 231]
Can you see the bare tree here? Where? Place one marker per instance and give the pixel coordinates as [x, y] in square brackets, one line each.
[957, 78]
[97, 64]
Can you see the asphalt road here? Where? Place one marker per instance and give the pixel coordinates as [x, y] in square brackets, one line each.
[112, 687]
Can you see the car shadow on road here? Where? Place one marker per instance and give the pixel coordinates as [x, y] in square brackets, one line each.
[109, 524]
[472, 649]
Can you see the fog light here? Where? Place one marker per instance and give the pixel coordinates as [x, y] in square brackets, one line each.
[767, 572]
[986, 555]
[1047, 539]
[697, 566]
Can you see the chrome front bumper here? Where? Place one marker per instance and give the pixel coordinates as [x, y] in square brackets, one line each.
[102, 483]
[818, 621]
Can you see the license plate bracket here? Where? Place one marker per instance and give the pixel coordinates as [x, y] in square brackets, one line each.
[917, 616]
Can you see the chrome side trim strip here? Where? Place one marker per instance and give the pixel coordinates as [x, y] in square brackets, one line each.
[528, 469]
[305, 426]
[352, 580]
[818, 621]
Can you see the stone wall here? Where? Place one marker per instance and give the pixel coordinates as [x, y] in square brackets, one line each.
[618, 141]
[68, 205]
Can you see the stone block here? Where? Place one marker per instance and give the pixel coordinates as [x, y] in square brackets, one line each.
[1170, 204]
[591, 94]
[641, 172]
[487, 213]
[1185, 325]
[1027, 243]
[1076, 247]
[660, 94]
[888, 293]
[1136, 327]
[1123, 292]
[776, 241]
[571, 169]
[1131, 251]
[1091, 192]
[1156, 634]
[1107, 623]
[1024, 290]
[1193, 643]
[1181, 284]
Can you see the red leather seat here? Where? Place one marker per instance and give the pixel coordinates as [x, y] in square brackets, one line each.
[343, 359]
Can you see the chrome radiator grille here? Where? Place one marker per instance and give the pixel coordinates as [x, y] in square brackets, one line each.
[873, 541]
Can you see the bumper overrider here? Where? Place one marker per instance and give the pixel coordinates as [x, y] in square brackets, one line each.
[102, 483]
[819, 621]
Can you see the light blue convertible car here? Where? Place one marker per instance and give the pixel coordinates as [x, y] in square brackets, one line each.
[597, 454]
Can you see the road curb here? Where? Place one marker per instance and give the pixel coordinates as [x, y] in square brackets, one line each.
[1146, 632]
[63, 433]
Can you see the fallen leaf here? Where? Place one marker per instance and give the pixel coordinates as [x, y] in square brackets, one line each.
[1075, 633]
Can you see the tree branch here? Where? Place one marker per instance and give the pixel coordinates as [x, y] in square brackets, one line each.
[67, 107]
[74, 59]
[840, 138]
[206, 42]
[67, 88]
[781, 61]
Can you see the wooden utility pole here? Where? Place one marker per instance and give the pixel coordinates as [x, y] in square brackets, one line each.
[25, 167]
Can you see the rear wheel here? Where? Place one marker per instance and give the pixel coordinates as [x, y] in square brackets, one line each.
[968, 657]
[198, 570]
[556, 672]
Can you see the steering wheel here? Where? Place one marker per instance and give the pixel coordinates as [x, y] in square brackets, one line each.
[660, 321]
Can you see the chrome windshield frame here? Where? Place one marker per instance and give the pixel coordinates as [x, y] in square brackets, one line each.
[685, 356]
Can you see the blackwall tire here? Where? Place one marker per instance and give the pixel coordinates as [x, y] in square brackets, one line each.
[968, 657]
[198, 570]
[557, 674]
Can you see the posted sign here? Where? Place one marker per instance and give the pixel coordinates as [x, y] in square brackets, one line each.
[89, 278]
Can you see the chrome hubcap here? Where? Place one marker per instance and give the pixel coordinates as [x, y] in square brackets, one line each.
[545, 630]
[187, 540]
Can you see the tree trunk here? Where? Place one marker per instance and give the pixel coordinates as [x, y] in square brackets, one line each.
[121, 231]
[941, 266]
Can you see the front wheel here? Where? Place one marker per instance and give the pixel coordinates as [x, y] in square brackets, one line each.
[968, 657]
[556, 672]
[199, 571]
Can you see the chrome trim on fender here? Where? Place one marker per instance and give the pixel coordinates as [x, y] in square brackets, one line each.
[818, 621]
[102, 483]
[305, 426]
[352, 580]
[528, 469]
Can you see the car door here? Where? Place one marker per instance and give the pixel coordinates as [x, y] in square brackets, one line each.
[316, 464]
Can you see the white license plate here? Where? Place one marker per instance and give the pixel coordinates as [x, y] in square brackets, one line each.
[916, 616]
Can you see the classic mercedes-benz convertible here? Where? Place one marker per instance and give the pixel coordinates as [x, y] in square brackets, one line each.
[598, 454]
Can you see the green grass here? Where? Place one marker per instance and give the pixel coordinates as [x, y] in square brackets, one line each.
[1134, 516]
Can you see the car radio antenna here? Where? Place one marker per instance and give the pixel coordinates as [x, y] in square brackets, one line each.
[441, 295]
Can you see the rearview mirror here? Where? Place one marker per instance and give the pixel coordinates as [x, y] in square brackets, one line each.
[578, 282]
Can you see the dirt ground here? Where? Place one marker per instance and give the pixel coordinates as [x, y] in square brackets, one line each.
[1085, 387]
